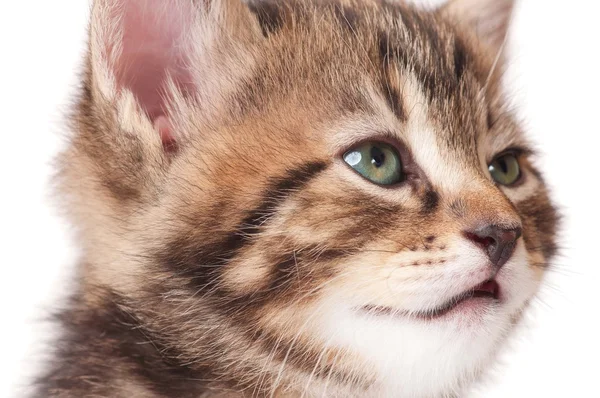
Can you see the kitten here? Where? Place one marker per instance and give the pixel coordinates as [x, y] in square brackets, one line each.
[297, 198]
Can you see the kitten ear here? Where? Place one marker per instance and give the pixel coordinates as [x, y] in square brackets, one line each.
[488, 19]
[147, 51]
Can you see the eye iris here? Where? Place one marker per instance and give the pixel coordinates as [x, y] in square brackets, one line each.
[505, 169]
[378, 162]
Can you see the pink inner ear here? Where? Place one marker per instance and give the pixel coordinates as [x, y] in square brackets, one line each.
[153, 47]
[165, 128]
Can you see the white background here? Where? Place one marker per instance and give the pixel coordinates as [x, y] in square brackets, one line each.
[554, 78]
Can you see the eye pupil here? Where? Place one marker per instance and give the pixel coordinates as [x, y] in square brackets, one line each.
[377, 157]
[503, 165]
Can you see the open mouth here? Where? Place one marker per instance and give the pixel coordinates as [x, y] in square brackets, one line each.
[488, 290]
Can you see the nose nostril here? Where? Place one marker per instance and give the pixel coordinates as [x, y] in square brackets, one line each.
[485, 241]
[498, 242]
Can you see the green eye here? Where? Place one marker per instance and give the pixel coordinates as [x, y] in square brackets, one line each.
[505, 169]
[377, 162]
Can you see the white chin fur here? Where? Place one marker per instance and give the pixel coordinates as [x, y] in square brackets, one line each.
[419, 358]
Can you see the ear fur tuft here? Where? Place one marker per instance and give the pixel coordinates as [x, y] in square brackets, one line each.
[153, 49]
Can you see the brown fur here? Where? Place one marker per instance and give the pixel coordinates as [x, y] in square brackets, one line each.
[200, 266]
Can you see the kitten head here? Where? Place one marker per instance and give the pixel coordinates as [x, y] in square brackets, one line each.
[329, 197]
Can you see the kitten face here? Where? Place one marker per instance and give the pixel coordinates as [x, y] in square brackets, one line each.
[209, 178]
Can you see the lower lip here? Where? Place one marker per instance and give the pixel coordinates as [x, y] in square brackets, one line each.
[466, 308]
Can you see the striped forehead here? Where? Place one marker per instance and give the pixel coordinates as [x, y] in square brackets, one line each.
[436, 80]
[450, 164]
[435, 89]
[420, 76]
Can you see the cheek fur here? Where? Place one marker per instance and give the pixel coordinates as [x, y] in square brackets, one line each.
[540, 224]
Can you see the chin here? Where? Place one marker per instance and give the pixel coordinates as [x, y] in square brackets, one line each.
[438, 351]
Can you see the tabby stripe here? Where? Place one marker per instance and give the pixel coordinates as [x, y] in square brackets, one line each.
[269, 15]
[460, 58]
[109, 330]
[279, 189]
[202, 263]
[390, 92]
[541, 222]
[347, 17]
[431, 201]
